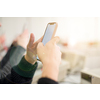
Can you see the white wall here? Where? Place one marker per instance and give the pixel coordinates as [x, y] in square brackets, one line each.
[77, 29]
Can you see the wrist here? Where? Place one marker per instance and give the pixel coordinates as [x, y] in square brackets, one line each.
[24, 46]
[50, 70]
[50, 62]
[25, 69]
[16, 44]
[29, 59]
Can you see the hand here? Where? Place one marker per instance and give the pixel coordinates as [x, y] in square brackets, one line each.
[31, 55]
[50, 56]
[22, 39]
[2, 39]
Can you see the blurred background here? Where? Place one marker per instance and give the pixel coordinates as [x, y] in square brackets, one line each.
[79, 43]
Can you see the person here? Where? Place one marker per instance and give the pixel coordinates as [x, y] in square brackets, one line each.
[14, 54]
[12, 74]
[24, 71]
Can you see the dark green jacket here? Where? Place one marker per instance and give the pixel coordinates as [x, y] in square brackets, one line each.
[14, 68]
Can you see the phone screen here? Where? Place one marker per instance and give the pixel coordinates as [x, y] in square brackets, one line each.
[48, 33]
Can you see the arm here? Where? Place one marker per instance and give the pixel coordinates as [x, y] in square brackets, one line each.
[14, 51]
[14, 54]
[6, 57]
[21, 73]
[17, 49]
[50, 57]
[11, 59]
[24, 71]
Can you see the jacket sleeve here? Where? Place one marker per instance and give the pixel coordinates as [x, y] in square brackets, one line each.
[14, 51]
[12, 58]
[46, 81]
[21, 73]
[6, 57]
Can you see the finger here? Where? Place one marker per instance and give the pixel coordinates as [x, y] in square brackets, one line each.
[55, 39]
[31, 41]
[40, 45]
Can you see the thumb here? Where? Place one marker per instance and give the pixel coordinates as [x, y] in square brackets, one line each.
[55, 40]
[32, 39]
[40, 48]
[40, 45]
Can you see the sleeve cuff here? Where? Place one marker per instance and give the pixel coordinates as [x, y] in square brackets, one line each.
[25, 69]
[46, 80]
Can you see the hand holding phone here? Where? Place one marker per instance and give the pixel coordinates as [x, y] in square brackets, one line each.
[49, 33]
[50, 56]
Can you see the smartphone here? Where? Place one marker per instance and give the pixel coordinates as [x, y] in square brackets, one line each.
[49, 33]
